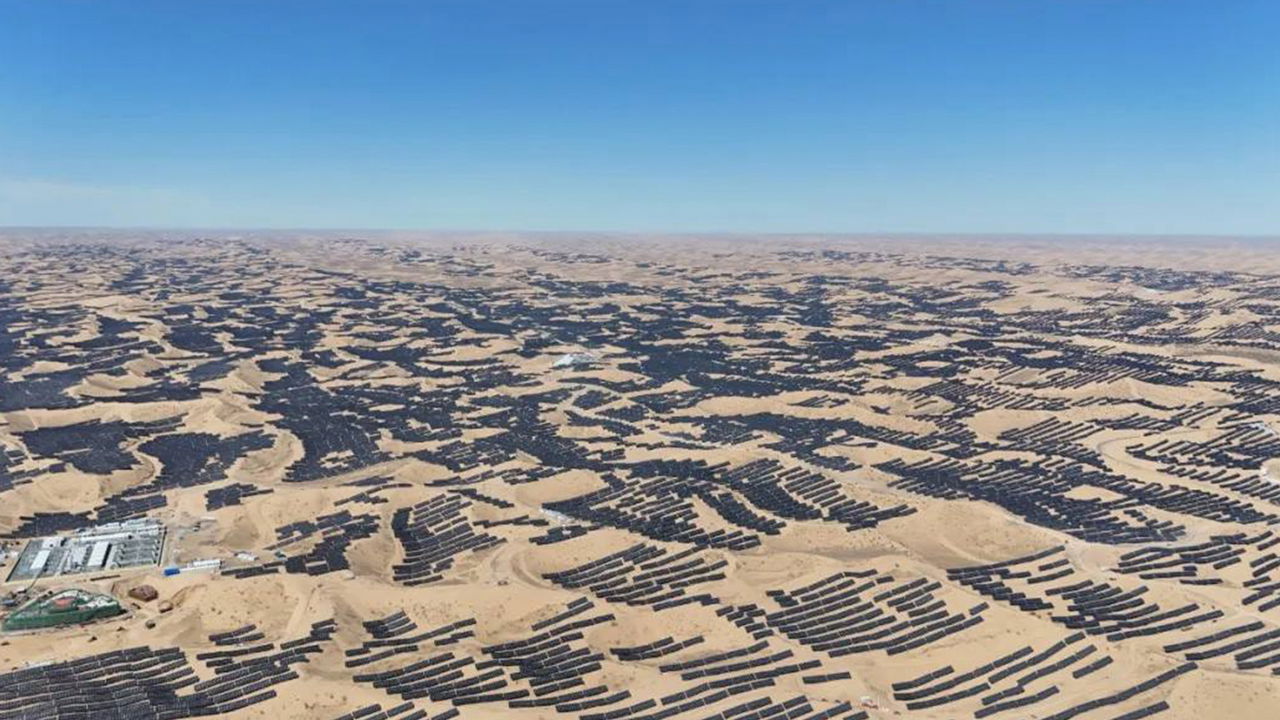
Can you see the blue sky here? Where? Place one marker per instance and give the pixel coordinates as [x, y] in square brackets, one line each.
[1143, 116]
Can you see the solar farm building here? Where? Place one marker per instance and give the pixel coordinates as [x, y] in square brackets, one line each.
[133, 543]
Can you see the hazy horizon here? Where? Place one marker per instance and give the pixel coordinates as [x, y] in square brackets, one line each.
[675, 233]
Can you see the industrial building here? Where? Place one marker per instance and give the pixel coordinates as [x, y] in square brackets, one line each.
[576, 360]
[132, 543]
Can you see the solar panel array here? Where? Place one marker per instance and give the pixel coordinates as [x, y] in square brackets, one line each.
[406, 424]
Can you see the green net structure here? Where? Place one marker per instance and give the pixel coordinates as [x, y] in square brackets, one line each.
[68, 607]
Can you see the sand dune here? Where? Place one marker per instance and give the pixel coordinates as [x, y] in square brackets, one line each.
[905, 477]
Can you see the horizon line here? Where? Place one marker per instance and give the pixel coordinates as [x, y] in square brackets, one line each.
[862, 234]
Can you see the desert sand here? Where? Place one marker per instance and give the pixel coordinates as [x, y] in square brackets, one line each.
[802, 476]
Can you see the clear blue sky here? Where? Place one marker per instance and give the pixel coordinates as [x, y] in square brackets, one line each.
[1149, 116]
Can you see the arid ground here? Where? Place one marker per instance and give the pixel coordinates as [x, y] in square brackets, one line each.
[785, 477]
